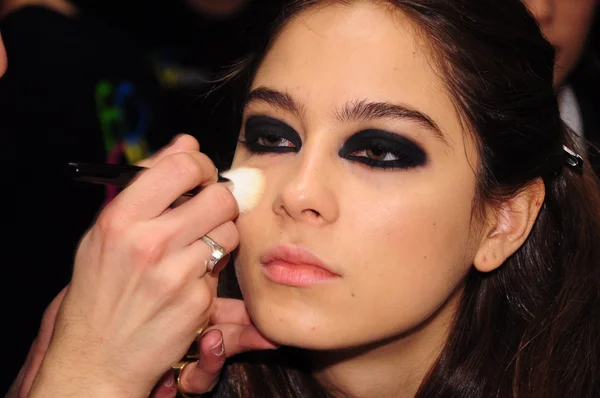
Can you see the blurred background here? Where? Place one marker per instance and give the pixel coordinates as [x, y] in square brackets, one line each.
[114, 80]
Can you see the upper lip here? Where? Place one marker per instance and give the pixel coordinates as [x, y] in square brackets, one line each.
[294, 254]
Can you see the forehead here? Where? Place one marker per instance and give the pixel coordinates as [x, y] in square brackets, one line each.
[337, 53]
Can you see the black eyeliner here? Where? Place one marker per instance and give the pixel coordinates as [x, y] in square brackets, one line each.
[409, 154]
[261, 126]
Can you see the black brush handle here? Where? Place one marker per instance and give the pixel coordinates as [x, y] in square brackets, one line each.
[113, 174]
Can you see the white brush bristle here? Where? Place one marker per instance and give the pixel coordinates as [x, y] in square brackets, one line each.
[247, 186]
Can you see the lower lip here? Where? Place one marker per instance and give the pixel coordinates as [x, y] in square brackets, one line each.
[298, 275]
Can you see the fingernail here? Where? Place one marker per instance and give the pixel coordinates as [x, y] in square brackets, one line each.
[169, 382]
[218, 349]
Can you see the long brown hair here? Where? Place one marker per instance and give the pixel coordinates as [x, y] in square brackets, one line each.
[531, 328]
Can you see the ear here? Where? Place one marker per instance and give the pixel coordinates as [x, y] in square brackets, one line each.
[508, 226]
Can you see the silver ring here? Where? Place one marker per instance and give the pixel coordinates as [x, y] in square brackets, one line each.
[217, 253]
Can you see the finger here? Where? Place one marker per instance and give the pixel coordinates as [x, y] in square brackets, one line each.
[215, 346]
[42, 341]
[179, 201]
[180, 143]
[156, 188]
[212, 207]
[24, 380]
[165, 388]
[242, 338]
[48, 319]
[191, 262]
[227, 310]
[201, 376]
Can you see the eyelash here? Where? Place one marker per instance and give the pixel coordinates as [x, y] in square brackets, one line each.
[376, 163]
[405, 153]
[256, 147]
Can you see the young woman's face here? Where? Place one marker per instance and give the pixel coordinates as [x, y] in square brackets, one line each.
[366, 228]
[566, 24]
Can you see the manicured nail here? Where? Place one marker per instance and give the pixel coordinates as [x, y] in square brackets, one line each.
[218, 349]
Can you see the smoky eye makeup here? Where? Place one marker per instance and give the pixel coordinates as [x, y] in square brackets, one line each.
[383, 150]
[378, 149]
[265, 134]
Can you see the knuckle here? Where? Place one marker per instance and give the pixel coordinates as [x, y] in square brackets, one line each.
[195, 166]
[205, 161]
[184, 165]
[201, 299]
[160, 286]
[167, 284]
[110, 221]
[147, 249]
[223, 199]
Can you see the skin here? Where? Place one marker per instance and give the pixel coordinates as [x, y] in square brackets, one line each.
[61, 6]
[400, 254]
[3, 59]
[566, 24]
[400, 241]
[217, 8]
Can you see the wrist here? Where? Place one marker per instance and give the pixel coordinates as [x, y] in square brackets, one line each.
[66, 379]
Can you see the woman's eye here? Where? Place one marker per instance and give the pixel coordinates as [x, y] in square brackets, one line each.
[270, 140]
[376, 153]
[264, 134]
[383, 150]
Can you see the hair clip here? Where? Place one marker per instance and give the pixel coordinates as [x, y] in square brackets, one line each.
[572, 159]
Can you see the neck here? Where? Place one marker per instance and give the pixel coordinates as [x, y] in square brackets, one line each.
[395, 367]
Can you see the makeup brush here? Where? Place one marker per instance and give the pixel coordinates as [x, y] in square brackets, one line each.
[247, 187]
[246, 183]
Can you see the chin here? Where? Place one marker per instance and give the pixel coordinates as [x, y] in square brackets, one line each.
[315, 317]
[286, 324]
[289, 321]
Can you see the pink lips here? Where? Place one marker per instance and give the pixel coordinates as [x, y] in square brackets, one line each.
[295, 266]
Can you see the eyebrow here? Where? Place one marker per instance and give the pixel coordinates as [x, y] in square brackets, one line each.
[275, 98]
[353, 111]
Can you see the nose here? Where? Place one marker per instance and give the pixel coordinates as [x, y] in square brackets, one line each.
[542, 10]
[308, 194]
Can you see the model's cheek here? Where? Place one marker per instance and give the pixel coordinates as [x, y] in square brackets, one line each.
[410, 227]
[252, 228]
[411, 267]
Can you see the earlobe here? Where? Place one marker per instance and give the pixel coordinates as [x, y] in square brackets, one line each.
[509, 225]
